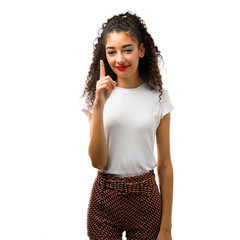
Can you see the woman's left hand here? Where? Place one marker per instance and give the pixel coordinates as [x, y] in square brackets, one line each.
[164, 235]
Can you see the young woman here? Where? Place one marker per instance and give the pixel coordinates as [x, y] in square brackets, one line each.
[127, 107]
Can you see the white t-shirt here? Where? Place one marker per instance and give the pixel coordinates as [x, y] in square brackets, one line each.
[130, 118]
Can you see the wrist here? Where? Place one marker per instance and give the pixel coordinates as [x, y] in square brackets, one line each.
[166, 228]
[97, 106]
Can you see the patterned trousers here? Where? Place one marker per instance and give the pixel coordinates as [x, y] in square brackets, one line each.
[117, 204]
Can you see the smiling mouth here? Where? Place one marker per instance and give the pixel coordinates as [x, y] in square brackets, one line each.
[121, 68]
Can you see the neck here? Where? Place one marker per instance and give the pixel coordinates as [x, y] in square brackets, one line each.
[129, 82]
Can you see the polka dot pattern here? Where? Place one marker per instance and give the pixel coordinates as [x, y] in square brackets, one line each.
[118, 204]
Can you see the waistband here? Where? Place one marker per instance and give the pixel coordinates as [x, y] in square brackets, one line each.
[123, 185]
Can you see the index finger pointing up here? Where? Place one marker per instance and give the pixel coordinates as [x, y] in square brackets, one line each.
[102, 69]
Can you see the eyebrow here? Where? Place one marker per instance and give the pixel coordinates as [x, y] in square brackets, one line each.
[124, 46]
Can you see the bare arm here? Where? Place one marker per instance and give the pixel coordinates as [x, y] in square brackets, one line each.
[165, 173]
[97, 149]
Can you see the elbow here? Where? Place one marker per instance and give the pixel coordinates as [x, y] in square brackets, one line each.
[97, 165]
[97, 162]
[163, 167]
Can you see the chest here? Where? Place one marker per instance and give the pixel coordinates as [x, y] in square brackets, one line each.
[130, 113]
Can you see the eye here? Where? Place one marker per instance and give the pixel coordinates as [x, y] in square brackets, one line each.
[110, 53]
[128, 50]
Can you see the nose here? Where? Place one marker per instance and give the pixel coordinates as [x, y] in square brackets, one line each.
[120, 58]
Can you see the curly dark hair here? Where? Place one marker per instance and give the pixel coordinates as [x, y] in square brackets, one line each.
[148, 65]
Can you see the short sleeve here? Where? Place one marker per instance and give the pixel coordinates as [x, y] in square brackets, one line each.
[85, 108]
[166, 104]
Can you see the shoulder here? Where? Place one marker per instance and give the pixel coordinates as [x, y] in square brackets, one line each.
[163, 89]
[156, 93]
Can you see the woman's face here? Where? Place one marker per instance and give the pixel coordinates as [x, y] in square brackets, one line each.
[123, 54]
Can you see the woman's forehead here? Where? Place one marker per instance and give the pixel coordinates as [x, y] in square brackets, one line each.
[120, 38]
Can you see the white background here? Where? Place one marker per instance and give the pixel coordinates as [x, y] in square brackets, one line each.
[46, 174]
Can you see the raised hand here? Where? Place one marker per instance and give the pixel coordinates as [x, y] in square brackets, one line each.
[104, 86]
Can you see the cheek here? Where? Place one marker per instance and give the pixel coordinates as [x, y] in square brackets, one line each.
[110, 61]
[134, 59]
[111, 64]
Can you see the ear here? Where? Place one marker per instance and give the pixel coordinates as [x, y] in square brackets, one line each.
[141, 50]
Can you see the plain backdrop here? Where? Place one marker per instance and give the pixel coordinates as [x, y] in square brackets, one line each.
[46, 174]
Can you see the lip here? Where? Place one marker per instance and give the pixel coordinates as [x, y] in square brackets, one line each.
[121, 68]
